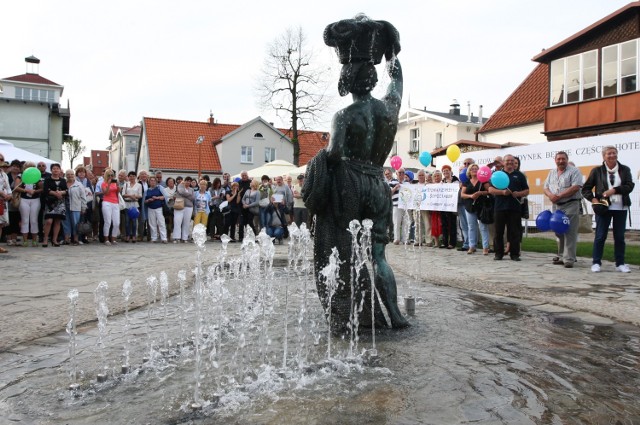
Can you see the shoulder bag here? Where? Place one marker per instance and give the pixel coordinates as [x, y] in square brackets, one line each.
[178, 204]
[15, 199]
[121, 203]
[586, 220]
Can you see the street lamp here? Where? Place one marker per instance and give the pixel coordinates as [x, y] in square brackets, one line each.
[199, 143]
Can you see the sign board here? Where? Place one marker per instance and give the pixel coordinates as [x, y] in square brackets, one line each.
[537, 159]
[432, 197]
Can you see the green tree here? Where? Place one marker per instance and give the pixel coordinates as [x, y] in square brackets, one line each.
[73, 148]
[293, 84]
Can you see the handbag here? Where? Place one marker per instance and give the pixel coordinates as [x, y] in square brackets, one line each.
[586, 220]
[485, 210]
[178, 204]
[15, 199]
[85, 228]
[121, 202]
[524, 208]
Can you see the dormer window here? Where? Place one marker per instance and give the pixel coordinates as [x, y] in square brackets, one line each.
[258, 136]
[575, 78]
[620, 68]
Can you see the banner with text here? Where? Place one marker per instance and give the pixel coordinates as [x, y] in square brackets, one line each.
[431, 197]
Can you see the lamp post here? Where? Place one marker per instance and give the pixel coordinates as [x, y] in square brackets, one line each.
[199, 143]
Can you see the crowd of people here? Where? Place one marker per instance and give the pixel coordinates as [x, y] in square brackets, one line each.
[76, 207]
[492, 217]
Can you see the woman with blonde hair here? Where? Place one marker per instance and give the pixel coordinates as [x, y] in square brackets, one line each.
[110, 207]
[29, 207]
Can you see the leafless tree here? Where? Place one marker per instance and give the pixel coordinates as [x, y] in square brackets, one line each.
[73, 148]
[293, 84]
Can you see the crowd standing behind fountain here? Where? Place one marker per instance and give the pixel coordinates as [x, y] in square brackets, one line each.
[69, 208]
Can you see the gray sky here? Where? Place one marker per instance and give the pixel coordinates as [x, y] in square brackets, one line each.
[121, 60]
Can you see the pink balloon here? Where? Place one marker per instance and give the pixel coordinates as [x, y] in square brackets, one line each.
[396, 162]
[484, 174]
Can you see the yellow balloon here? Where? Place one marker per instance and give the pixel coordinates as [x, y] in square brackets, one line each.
[453, 153]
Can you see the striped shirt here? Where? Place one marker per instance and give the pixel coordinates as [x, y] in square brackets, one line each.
[394, 196]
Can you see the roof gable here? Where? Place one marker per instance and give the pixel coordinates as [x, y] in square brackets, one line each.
[625, 16]
[249, 124]
[310, 142]
[32, 79]
[525, 105]
[172, 143]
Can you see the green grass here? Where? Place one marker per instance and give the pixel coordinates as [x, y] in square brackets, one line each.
[585, 249]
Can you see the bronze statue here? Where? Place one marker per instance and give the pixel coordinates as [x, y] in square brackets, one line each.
[345, 181]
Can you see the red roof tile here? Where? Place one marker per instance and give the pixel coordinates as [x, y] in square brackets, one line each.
[172, 144]
[526, 104]
[33, 79]
[310, 143]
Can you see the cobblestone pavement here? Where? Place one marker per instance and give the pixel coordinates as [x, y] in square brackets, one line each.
[34, 282]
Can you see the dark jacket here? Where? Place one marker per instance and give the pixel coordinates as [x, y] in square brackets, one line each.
[598, 179]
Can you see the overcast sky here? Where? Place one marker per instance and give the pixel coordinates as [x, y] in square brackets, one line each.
[121, 60]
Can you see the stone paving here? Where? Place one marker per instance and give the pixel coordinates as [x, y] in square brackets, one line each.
[34, 282]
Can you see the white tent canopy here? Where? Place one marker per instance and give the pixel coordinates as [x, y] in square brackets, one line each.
[275, 168]
[297, 171]
[10, 153]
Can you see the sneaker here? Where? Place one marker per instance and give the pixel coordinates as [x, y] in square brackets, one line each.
[568, 265]
[623, 268]
[595, 268]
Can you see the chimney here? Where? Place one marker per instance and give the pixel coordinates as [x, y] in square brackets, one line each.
[33, 63]
[211, 120]
[455, 108]
[480, 114]
[468, 111]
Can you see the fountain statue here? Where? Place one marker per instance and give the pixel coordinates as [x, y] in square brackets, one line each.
[345, 180]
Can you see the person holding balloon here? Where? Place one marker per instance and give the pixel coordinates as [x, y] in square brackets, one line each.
[30, 190]
[612, 181]
[471, 191]
[153, 199]
[562, 187]
[508, 187]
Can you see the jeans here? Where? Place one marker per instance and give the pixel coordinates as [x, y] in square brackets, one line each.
[464, 227]
[275, 232]
[473, 224]
[131, 226]
[602, 228]
[265, 217]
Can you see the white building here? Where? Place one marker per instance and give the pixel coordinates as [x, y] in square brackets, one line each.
[420, 130]
[123, 147]
[30, 114]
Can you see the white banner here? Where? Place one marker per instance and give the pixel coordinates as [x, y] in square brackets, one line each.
[431, 197]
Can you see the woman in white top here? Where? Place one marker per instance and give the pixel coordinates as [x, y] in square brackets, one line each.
[131, 193]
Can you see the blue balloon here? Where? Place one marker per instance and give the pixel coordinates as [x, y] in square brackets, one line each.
[542, 221]
[425, 158]
[409, 174]
[133, 213]
[463, 175]
[559, 222]
[500, 180]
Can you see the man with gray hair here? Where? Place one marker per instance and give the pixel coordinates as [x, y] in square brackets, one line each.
[562, 187]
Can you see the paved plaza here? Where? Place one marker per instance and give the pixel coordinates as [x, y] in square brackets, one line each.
[34, 282]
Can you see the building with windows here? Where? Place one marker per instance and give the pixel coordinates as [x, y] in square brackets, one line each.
[584, 86]
[174, 146]
[421, 130]
[30, 114]
[97, 161]
[123, 147]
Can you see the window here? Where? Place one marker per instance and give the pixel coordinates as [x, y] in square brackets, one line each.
[394, 149]
[574, 79]
[37, 95]
[438, 140]
[97, 153]
[246, 155]
[269, 154]
[620, 68]
[258, 136]
[414, 144]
